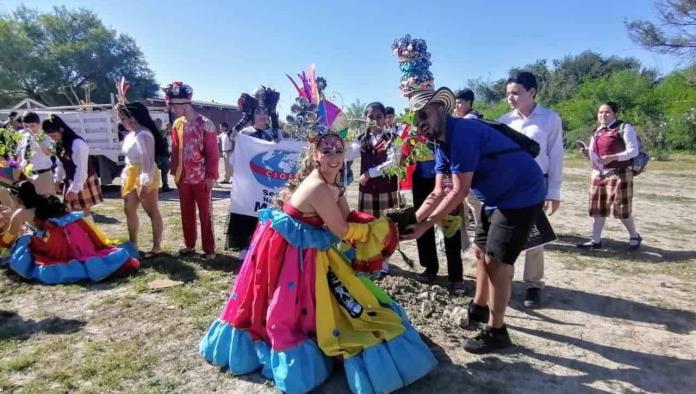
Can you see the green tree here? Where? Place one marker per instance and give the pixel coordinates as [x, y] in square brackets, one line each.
[354, 113]
[677, 33]
[47, 56]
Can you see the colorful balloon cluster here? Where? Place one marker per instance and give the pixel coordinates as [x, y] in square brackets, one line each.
[414, 63]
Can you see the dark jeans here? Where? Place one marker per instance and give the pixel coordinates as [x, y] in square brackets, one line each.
[427, 251]
[163, 164]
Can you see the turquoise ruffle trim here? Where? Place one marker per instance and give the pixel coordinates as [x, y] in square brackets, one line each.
[390, 365]
[298, 234]
[296, 370]
[93, 269]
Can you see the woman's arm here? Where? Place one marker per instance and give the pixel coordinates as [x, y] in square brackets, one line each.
[328, 210]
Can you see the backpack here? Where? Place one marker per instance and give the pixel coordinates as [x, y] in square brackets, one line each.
[524, 143]
[639, 162]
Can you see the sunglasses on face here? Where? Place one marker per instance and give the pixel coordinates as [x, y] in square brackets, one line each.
[421, 116]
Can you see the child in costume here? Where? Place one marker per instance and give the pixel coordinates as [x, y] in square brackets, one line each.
[298, 305]
[61, 246]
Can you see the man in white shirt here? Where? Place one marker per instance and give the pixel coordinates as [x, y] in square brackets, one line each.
[545, 127]
[35, 149]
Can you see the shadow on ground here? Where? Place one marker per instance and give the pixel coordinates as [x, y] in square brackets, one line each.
[13, 326]
[612, 249]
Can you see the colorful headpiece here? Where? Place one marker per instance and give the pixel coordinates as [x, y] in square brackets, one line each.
[177, 93]
[417, 82]
[313, 115]
[414, 63]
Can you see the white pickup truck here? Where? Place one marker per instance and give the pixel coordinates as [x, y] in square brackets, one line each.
[98, 125]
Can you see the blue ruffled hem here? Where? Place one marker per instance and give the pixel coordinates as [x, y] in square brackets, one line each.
[390, 365]
[297, 233]
[94, 268]
[296, 370]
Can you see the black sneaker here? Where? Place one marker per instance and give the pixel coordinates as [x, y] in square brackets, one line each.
[488, 340]
[590, 245]
[478, 315]
[533, 298]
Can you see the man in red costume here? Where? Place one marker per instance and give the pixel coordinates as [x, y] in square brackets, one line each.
[194, 164]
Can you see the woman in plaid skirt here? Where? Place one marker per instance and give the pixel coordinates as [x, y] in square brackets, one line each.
[81, 188]
[377, 191]
[613, 145]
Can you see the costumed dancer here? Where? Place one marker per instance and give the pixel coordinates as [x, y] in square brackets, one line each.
[259, 120]
[81, 190]
[141, 178]
[57, 246]
[297, 305]
[194, 164]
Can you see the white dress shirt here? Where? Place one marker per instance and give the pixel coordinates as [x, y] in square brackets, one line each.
[39, 159]
[543, 126]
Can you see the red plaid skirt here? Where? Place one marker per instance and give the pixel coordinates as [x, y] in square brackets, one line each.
[376, 203]
[89, 196]
[612, 194]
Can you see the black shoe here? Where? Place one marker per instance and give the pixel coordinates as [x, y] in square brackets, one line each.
[533, 298]
[634, 243]
[165, 189]
[478, 315]
[590, 245]
[488, 340]
[426, 277]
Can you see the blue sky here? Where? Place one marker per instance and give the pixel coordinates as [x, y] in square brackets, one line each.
[223, 48]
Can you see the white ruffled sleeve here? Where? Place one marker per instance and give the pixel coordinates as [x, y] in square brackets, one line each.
[146, 146]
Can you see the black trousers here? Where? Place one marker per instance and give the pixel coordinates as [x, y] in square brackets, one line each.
[427, 251]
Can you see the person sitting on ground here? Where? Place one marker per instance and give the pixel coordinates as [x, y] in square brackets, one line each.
[51, 245]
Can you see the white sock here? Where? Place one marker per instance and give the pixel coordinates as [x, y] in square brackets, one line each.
[630, 226]
[597, 227]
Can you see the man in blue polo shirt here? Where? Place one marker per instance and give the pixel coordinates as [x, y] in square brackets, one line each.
[509, 182]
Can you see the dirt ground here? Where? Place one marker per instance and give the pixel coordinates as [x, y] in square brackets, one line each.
[613, 320]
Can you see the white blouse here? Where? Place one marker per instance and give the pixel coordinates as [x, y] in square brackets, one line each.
[139, 148]
[80, 156]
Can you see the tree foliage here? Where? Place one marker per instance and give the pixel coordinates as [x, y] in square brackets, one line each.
[48, 56]
[677, 33]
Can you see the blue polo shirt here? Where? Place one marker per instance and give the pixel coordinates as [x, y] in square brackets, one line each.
[506, 180]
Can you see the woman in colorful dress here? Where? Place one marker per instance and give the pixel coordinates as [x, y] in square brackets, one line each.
[53, 246]
[81, 184]
[298, 305]
[613, 145]
[141, 179]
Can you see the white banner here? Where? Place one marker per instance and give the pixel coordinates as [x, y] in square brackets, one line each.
[261, 170]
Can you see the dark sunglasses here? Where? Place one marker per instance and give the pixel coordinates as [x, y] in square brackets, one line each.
[422, 115]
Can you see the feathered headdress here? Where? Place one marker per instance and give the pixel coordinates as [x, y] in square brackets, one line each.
[121, 90]
[312, 113]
